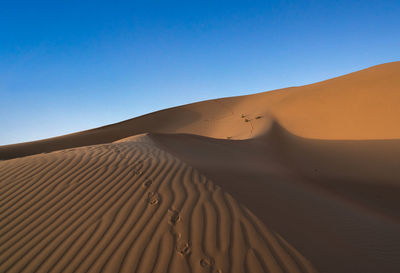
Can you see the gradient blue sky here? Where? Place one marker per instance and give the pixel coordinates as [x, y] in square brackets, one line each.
[67, 66]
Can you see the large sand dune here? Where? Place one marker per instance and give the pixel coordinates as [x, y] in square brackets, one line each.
[303, 179]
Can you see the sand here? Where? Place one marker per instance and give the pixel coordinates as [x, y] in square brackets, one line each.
[302, 179]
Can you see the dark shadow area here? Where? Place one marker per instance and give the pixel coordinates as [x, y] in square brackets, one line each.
[337, 202]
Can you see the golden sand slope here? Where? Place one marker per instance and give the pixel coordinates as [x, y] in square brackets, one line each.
[128, 207]
[360, 105]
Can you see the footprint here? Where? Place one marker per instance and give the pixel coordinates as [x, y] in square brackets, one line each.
[174, 217]
[184, 248]
[137, 172]
[207, 263]
[153, 198]
[147, 183]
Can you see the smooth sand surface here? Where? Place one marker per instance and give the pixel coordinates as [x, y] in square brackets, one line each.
[302, 179]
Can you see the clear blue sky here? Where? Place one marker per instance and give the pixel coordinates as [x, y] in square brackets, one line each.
[67, 66]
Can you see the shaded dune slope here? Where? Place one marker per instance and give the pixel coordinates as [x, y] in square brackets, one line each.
[337, 202]
[128, 207]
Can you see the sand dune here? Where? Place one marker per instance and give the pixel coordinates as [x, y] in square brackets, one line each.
[359, 106]
[303, 179]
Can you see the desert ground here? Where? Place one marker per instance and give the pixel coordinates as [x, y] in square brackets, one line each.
[301, 179]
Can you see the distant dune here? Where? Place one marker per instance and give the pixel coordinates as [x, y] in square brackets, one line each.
[302, 179]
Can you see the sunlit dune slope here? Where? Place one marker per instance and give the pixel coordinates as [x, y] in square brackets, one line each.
[360, 105]
[129, 207]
